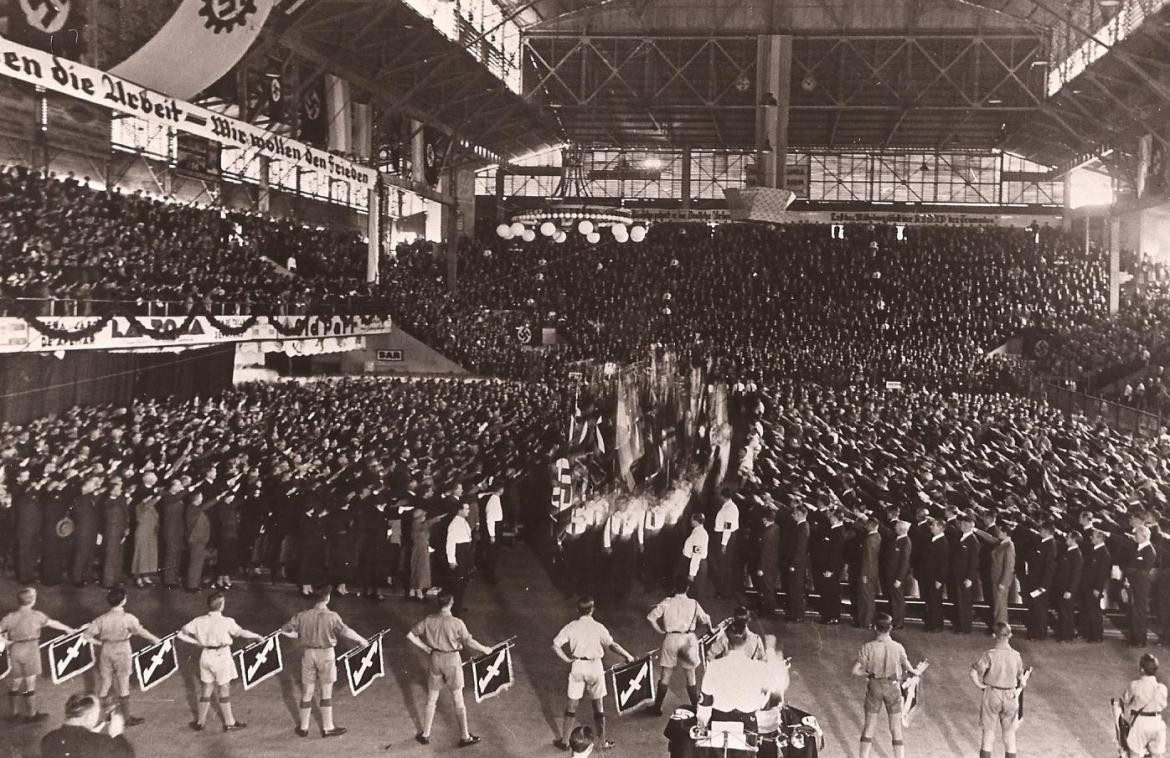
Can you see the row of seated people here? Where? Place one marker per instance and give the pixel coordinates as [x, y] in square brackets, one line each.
[339, 481]
[999, 458]
[60, 238]
[792, 301]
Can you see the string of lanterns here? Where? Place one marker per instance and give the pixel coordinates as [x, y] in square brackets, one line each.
[586, 228]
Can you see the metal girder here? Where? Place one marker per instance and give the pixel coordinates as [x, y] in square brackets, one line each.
[888, 88]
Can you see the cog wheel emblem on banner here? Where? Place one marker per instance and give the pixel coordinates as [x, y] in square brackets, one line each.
[226, 15]
[46, 16]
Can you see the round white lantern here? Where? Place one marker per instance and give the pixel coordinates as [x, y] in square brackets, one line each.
[619, 231]
[528, 235]
[517, 228]
[593, 238]
[585, 227]
[504, 231]
[548, 228]
[560, 237]
[638, 233]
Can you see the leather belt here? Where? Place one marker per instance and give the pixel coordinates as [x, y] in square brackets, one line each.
[216, 647]
[315, 647]
[437, 650]
[881, 678]
[586, 659]
[689, 631]
[1005, 689]
[1155, 714]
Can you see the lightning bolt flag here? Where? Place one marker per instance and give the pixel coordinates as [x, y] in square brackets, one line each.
[155, 664]
[633, 684]
[491, 674]
[69, 655]
[259, 661]
[364, 665]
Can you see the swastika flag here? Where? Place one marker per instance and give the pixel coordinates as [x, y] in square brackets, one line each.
[259, 661]
[155, 664]
[69, 655]
[492, 674]
[363, 665]
[633, 684]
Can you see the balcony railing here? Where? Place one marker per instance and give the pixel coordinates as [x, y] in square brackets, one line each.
[64, 307]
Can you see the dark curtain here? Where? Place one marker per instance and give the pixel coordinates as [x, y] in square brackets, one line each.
[37, 385]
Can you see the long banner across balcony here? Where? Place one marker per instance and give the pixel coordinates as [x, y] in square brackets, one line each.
[50, 334]
[101, 88]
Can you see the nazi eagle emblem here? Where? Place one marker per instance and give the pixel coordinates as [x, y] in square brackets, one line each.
[226, 15]
[46, 16]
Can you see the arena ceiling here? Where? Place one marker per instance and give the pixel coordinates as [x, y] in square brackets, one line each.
[869, 74]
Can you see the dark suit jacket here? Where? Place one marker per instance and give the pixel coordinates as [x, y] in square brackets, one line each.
[1068, 571]
[1097, 569]
[768, 552]
[1003, 564]
[898, 559]
[871, 545]
[1042, 566]
[796, 554]
[830, 552]
[936, 561]
[966, 563]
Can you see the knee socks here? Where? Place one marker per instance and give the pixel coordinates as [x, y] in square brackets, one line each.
[305, 711]
[327, 714]
[204, 707]
[225, 708]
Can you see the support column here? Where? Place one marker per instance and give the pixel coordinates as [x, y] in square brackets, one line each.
[1114, 230]
[264, 193]
[451, 227]
[686, 178]
[773, 88]
[1066, 217]
[501, 172]
[374, 231]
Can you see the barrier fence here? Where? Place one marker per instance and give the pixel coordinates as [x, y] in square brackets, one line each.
[1120, 417]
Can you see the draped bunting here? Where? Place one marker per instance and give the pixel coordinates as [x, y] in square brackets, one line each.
[200, 43]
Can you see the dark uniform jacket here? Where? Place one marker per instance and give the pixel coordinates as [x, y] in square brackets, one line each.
[78, 742]
[898, 558]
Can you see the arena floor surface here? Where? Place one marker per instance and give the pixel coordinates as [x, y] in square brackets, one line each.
[1067, 710]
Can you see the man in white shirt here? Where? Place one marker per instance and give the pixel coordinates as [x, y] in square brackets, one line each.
[654, 570]
[622, 541]
[724, 559]
[734, 688]
[694, 554]
[493, 517]
[459, 554]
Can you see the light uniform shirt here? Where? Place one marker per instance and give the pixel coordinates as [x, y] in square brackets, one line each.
[622, 525]
[213, 630]
[318, 628]
[679, 613]
[23, 625]
[884, 659]
[753, 646]
[458, 533]
[736, 683]
[1000, 668]
[695, 548]
[1146, 694]
[114, 628]
[493, 513]
[578, 522]
[443, 632]
[727, 522]
[655, 519]
[587, 639]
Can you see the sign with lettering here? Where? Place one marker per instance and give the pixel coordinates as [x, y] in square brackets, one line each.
[19, 336]
[390, 356]
[39, 68]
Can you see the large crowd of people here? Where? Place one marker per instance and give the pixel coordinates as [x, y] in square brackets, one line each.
[339, 481]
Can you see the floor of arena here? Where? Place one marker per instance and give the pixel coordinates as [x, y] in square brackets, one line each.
[1066, 705]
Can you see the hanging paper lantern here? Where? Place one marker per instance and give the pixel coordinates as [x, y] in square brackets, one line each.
[540, 277]
[548, 228]
[504, 231]
[561, 237]
[619, 231]
[517, 228]
[638, 233]
[528, 235]
[585, 227]
[593, 237]
[622, 236]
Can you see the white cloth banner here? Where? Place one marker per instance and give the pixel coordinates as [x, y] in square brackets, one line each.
[93, 86]
[198, 45]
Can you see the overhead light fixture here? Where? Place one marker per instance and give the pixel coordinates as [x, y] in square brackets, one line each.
[995, 101]
[1109, 3]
